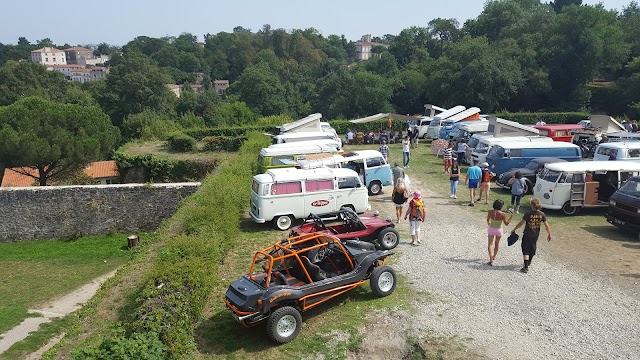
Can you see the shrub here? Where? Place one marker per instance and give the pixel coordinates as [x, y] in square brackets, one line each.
[159, 130]
[180, 142]
[160, 169]
[223, 143]
[144, 346]
[341, 126]
[200, 134]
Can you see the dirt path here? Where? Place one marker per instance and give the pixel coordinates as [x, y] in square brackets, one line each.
[55, 309]
[554, 311]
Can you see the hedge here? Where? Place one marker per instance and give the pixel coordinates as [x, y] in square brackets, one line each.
[200, 134]
[223, 143]
[180, 142]
[195, 242]
[341, 126]
[160, 169]
[549, 118]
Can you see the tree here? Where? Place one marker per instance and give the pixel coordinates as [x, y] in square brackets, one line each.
[445, 30]
[53, 138]
[558, 5]
[411, 45]
[261, 90]
[46, 42]
[231, 113]
[187, 101]
[23, 79]
[22, 41]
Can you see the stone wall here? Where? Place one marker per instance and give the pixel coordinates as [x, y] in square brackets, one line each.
[71, 211]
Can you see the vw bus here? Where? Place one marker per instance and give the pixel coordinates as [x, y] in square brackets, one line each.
[283, 195]
[479, 153]
[619, 150]
[284, 155]
[508, 155]
[571, 186]
[377, 172]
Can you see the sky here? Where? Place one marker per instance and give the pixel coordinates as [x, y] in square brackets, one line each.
[119, 21]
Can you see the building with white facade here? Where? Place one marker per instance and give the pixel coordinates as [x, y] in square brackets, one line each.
[66, 70]
[99, 73]
[81, 75]
[49, 56]
[364, 46]
[220, 86]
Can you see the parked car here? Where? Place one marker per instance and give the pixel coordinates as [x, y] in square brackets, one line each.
[346, 224]
[529, 172]
[301, 272]
[624, 206]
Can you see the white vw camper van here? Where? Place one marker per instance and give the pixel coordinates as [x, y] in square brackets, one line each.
[283, 195]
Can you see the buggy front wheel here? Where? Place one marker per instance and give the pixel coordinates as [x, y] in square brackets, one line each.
[284, 324]
[383, 281]
[388, 238]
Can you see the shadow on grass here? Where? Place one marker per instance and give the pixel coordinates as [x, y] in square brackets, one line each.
[610, 232]
[222, 335]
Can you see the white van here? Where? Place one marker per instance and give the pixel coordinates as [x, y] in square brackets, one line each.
[306, 136]
[286, 155]
[283, 195]
[479, 153]
[571, 186]
[620, 150]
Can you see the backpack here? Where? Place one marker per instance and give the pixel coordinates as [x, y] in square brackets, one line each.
[486, 176]
[517, 188]
[417, 210]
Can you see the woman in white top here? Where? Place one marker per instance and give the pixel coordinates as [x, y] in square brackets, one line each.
[406, 151]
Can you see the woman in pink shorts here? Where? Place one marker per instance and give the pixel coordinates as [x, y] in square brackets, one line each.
[495, 219]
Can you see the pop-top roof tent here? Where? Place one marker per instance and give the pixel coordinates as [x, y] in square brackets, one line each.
[470, 114]
[370, 118]
[310, 123]
[605, 123]
[432, 110]
[451, 112]
[500, 127]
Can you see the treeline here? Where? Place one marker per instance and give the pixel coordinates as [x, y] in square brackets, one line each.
[517, 55]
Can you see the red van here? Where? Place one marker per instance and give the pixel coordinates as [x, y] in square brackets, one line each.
[558, 132]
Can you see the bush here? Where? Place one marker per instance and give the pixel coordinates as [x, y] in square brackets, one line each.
[549, 118]
[148, 125]
[144, 346]
[180, 142]
[160, 169]
[341, 126]
[223, 143]
[200, 134]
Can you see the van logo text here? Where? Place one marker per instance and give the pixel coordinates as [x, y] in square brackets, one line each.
[319, 203]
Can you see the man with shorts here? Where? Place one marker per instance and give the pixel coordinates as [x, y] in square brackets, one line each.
[471, 180]
[533, 219]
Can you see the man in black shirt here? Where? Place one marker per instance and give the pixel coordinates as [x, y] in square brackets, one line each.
[533, 220]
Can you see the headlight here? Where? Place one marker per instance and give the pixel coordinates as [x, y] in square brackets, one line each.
[612, 202]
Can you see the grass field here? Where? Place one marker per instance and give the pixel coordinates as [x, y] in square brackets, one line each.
[34, 272]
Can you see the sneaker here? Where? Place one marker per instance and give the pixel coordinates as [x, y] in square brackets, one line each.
[472, 204]
[455, 196]
[524, 269]
[451, 196]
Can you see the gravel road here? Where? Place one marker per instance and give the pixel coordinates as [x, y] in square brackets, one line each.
[553, 312]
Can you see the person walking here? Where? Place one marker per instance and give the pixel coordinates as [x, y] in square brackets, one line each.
[447, 157]
[471, 180]
[517, 191]
[406, 151]
[462, 152]
[416, 215]
[532, 220]
[485, 182]
[384, 150]
[399, 196]
[495, 219]
[397, 173]
[454, 177]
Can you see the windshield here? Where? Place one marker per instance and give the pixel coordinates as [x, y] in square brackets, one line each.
[496, 151]
[631, 188]
[435, 123]
[447, 125]
[532, 165]
[482, 148]
[550, 175]
[473, 142]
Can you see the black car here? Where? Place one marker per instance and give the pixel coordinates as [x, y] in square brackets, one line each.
[624, 206]
[528, 172]
[301, 272]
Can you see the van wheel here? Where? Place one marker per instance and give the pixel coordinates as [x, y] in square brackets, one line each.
[375, 188]
[350, 207]
[425, 137]
[567, 209]
[283, 222]
[528, 186]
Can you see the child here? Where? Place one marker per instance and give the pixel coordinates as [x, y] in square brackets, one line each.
[533, 219]
[485, 182]
[416, 210]
[495, 219]
[517, 190]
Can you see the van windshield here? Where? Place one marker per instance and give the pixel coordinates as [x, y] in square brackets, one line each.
[473, 142]
[435, 123]
[496, 151]
[482, 148]
[550, 175]
[631, 188]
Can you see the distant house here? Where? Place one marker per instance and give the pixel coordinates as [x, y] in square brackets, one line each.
[65, 69]
[364, 46]
[98, 73]
[177, 89]
[77, 55]
[81, 75]
[104, 172]
[49, 56]
[220, 86]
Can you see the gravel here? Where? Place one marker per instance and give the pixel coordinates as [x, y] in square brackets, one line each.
[553, 312]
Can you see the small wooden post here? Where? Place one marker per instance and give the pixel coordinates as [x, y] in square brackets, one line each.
[133, 241]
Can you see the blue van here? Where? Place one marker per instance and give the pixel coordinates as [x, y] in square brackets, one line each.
[508, 155]
[449, 126]
[370, 163]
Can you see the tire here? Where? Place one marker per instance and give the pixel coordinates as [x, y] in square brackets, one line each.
[383, 281]
[569, 210]
[349, 206]
[283, 222]
[528, 186]
[375, 188]
[284, 324]
[388, 238]
[425, 137]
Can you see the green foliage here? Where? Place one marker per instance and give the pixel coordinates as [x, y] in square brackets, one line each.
[233, 131]
[24, 79]
[549, 118]
[142, 346]
[223, 143]
[161, 169]
[275, 120]
[180, 142]
[230, 114]
[53, 137]
[342, 126]
[134, 125]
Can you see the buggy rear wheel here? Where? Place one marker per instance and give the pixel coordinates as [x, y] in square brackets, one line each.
[284, 324]
[388, 238]
[383, 281]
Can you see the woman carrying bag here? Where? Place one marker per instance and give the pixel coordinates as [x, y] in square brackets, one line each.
[399, 197]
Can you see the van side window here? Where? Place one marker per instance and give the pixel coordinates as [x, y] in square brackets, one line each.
[568, 178]
[348, 183]
[375, 162]
[294, 187]
[515, 152]
[603, 150]
[282, 160]
[318, 185]
[634, 153]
